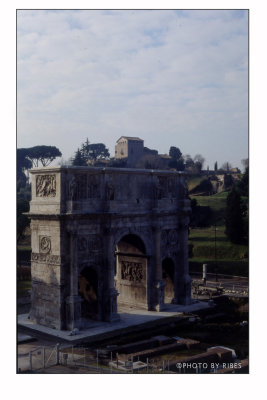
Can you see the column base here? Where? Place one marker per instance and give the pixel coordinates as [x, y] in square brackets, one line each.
[184, 293]
[159, 286]
[73, 306]
[112, 311]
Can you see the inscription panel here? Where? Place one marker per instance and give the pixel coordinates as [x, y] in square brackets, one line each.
[89, 243]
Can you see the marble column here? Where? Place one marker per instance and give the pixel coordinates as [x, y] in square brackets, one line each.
[111, 309]
[73, 301]
[159, 285]
[184, 280]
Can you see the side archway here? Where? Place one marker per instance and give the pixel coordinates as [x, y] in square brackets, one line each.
[88, 291]
[168, 278]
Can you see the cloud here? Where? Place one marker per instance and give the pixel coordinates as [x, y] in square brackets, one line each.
[170, 77]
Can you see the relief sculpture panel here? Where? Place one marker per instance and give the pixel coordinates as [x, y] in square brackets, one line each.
[45, 244]
[131, 271]
[46, 185]
[170, 242]
[46, 258]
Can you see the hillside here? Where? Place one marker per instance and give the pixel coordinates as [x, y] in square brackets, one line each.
[230, 258]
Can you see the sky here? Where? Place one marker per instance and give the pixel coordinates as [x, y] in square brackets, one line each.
[170, 77]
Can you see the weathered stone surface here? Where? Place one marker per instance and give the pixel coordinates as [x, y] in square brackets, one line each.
[102, 237]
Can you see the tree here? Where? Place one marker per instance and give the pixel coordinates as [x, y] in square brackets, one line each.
[243, 184]
[199, 162]
[22, 220]
[189, 163]
[23, 164]
[234, 223]
[44, 154]
[226, 166]
[93, 152]
[215, 166]
[78, 159]
[98, 151]
[175, 153]
[245, 163]
[177, 160]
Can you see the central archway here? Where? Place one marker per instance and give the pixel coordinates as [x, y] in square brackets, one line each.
[131, 272]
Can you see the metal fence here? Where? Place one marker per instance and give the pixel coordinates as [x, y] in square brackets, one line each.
[81, 358]
[39, 358]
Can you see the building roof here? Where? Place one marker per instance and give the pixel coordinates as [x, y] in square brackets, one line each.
[130, 138]
[164, 156]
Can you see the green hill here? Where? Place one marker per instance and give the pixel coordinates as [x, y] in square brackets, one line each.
[230, 258]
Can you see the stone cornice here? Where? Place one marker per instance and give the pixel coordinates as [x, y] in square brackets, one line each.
[103, 170]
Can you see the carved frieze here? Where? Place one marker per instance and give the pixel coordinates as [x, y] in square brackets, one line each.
[44, 244]
[46, 258]
[131, 271]
[46, 185]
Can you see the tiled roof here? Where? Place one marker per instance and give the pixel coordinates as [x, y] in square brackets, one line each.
[130, 138]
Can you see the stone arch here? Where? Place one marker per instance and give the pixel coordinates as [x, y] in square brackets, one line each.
[88, 289]
[131, 271]
[143, 233]
[168, 272]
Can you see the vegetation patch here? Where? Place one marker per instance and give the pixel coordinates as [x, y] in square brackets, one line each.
[23, 288]
[193, 181]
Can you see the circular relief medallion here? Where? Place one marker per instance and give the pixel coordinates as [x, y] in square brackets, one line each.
[45, 244]
[173, 237]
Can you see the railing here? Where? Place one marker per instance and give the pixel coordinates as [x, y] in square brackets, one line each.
[92, 361]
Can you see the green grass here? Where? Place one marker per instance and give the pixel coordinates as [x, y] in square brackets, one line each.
[230, 258]
[217, 203]
[24, 247]
[204, 244]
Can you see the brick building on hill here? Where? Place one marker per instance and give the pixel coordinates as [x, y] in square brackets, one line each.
[132, 150]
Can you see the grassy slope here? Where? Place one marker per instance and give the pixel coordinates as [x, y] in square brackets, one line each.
[230, 258]
[194, 180]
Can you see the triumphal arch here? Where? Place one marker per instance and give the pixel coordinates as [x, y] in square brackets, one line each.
[105, 238]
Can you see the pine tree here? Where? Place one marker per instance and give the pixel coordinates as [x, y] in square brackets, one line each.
[234, 224]
[78, 159]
